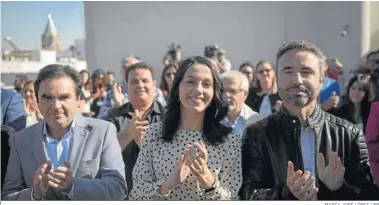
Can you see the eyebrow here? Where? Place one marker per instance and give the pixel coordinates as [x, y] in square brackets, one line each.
[49, 96]
[190, 76]
[287, 68]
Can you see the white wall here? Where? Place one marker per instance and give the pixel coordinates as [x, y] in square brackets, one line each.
[247, 30]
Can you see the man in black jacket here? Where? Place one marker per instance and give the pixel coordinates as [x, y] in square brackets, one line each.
[302, 152]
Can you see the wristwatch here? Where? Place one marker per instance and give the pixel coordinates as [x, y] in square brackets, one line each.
[212, 188]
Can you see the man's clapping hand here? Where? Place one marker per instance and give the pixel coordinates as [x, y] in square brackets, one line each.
[333, 174]
[299, 184]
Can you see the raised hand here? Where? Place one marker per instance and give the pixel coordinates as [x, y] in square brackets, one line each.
[137, 127]
[299, 184]
[197, 162]
[178, 175]
[61, 178]
[36, 109]
[40, 181]
[333, 174]
[117, 96]
[332, 102]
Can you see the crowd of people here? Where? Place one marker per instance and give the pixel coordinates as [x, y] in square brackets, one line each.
[284, 131]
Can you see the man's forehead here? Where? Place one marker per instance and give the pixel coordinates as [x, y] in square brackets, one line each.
[297, 57]
[231, 82]
[60, 85]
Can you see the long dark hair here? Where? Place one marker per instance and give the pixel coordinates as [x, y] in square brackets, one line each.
[213, 131]
[163, 85]
[87, 85]
[94, 76]
[365, 103]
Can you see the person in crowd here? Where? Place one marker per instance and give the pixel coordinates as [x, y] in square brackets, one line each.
[372, 139]
[190, 155]
[33, 114]
[335, 72]
[98, 91]
[221, 57]
[110, 81]
[68, 156]
[373, 60]
[371, 77]
[335, 68]
[301, 152]
[356, 107]
[247, 68]
[173, 55]
[330, 95]
[270, 104]
[167, 78]
[267, 85]
[19, 82]
[86, 92]
[12, 110]
[133, 118]
[6, 133]
[118, 95]
[234, 93]
[374, 88]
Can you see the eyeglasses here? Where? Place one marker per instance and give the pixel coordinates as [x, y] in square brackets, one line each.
[231, 91]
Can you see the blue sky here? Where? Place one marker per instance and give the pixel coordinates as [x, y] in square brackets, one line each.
[25, 22]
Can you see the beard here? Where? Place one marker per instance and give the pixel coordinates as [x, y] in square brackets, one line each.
[298, 100]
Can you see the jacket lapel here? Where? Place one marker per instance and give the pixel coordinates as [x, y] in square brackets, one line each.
[79, 138]
[38, 149]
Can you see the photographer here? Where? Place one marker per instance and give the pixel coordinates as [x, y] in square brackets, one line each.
[173, 55]
[213, 53]
[223, 60]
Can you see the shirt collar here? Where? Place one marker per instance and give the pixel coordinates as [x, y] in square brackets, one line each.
[127, 109]
[232, 123]
[49, 138]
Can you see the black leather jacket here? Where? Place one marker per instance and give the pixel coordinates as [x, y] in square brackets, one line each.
[270, 143]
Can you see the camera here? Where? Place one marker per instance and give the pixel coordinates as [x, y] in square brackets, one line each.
[171, 55]
[211, 51]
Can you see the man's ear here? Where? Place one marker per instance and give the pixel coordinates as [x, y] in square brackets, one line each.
[154, 83]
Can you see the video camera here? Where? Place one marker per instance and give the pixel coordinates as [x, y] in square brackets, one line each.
[172, 52]
[211, 51]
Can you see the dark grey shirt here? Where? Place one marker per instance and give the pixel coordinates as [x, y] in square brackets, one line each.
[121, 118]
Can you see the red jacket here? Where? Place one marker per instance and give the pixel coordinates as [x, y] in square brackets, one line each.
[372, 139]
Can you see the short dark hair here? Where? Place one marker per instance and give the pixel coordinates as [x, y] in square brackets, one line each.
[140, 65]
[246, 64]
[371, 53]
[304, 46]
[58, 71]
[22, 77]
[213, 131]
[110, 73]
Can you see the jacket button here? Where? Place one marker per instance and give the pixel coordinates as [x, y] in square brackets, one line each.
[294, 121]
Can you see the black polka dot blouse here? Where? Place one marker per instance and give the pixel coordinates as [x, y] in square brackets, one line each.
[157, 158]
